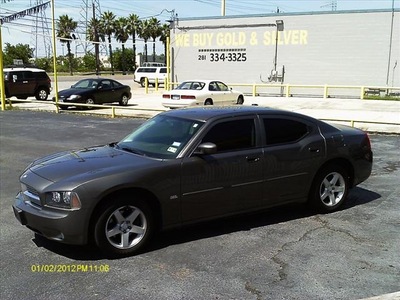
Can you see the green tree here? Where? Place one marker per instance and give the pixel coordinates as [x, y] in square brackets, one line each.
[144, 33]
[95, 32]
[122, 35]
[45, 63]
[89, 62]
[107, 21]
[133, 27]
[19, 51]
[127, 62]
[65, 27]
[154, 32]
[165, 32]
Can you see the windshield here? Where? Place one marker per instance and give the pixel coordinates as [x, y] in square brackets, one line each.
[160, 137]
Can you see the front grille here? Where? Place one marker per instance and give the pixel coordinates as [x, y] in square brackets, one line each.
[31, 195]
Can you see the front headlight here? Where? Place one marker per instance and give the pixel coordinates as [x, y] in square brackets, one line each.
[74, 97]
[63, 200]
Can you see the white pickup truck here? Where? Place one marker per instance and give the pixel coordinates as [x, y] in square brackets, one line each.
[151, 73]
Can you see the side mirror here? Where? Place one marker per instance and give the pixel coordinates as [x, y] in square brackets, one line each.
[206, 149]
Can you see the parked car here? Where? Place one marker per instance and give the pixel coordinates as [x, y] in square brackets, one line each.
[201, 92]
[26, 82]
[95, 91]
[190, 165]
[151, 74]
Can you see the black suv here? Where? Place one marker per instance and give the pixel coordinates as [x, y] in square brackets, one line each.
[26, 82]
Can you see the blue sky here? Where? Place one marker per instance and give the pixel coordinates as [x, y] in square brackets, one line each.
[21, 30]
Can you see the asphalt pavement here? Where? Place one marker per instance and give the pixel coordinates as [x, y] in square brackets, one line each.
[286, 253]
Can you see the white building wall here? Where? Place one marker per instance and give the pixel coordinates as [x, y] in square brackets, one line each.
[335, 48]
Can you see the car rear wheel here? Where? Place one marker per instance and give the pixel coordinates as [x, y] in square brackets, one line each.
[41, 94]
[330, 188]
[240, 100]
[124, 227]
[124, 100]
[208, 102]
[143, 82]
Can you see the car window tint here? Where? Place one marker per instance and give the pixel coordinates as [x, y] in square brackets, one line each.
[280, 130]
[106, 84]
[232, 135]
[163, 70]
[213, 86]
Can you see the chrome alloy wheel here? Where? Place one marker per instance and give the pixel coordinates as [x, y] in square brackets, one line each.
[126, 227]
[332, 189]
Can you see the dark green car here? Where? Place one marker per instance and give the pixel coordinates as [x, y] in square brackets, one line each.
[94, 91]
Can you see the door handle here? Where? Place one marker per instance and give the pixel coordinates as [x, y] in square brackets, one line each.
[252, 159]
[314, 150]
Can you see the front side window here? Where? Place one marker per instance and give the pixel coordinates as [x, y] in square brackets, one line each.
[232, 135]
[282, 130]
[161, 137]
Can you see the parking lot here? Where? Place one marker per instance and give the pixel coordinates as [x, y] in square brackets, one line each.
[285, 253]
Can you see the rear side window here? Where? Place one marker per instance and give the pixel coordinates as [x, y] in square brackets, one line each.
[232, 135]
[163, 70]
[281, 131]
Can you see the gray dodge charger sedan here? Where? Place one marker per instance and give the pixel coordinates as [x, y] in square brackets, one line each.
[190, 165]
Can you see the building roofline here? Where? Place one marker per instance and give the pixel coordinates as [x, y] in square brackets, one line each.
[386, 10]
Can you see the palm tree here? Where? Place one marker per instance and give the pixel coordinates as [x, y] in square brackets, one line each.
[121, 34]
[164, 33]
[144, 33]
[154, 32]
[133, 27]
[94, 33]
[107, 22]
[65, 27]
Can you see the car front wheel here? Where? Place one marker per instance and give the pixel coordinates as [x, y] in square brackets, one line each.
[124, 227]
[330, 188]
[41, 94]
[208, 102]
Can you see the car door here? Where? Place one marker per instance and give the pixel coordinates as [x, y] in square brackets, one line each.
[20, 83]
[215, 93]
[226, 92]
[294, 149]
[105, 92]
[229, 180]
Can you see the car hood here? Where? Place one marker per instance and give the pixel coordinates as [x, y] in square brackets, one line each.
[88, 162]
[73, 91]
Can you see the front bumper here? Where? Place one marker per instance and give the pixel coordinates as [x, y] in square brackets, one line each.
[60, 225]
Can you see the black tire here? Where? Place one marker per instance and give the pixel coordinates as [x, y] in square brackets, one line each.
[89, 100]
[124, 227]
[330, 188]
[124, 100]
[41, 94]
[208, 102]
[143, 81]
[240, 100]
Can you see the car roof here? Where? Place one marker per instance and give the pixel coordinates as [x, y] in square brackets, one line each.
[23, 69]
[205, 113]
[201, 80]
[208, 113]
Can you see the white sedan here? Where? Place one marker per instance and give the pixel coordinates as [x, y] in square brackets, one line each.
[201, 92]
